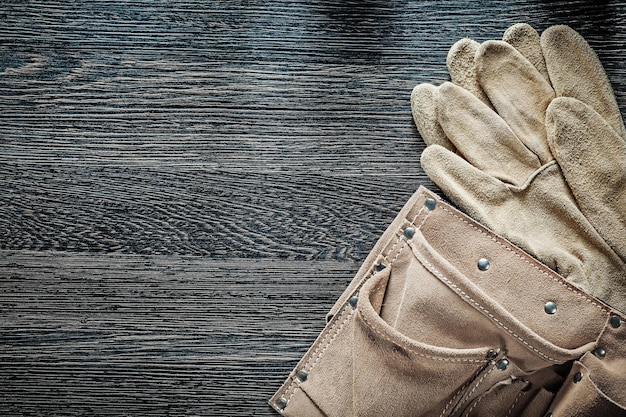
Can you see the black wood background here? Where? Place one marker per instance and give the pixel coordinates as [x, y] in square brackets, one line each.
[187, 186]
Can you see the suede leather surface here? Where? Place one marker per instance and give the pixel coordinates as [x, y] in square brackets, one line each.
[542, 160]
[431, 334]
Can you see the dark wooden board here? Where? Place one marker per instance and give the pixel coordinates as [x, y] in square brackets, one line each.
[155, 335]
[186, 187]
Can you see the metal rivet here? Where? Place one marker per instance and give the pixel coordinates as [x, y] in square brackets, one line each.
[550, 307]
[430, 204]
[600, 352]
[578, 377]
[483, 264]
[492, 353]
[408, 232]
[281, 403]
[380, 267]
[615, 321]
[353, 300]
[302, 375]
[503, 364]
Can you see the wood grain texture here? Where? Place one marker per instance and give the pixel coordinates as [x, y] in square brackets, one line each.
[162, 127]
[150, 335]
[186, 186]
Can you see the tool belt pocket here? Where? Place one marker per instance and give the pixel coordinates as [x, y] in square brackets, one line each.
[585, 391]
[418, 349]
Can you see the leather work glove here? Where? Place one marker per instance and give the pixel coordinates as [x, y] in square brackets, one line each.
[445, 317]
[529, 140]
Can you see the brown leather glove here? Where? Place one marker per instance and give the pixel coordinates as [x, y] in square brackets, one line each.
[537, 152]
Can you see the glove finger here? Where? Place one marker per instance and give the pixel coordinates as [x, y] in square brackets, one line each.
[471, 189]
[592, 158]
[575, 71]
[518, 92]
[425, 116]
[482, 137]
[462, 69]
[527, 41]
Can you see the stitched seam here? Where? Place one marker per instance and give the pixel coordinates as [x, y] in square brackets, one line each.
[469, 394]
[410, 349]
[545, 167]
[479, 399]
[423, 221]
[423, 355]
[332, 334]
[553, 278]
[531, 178]
[334, 331]
[474, 405]
[399, 252]
[515, 403]
[483, 309]
[400, 239]
[380, 284]
[454, 397]
[392, 248]
[330, 340]
[457, 394]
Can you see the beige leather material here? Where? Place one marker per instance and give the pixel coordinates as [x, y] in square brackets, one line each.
[458, 322]
[581, 397]
[543, 160]
[527, 41]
